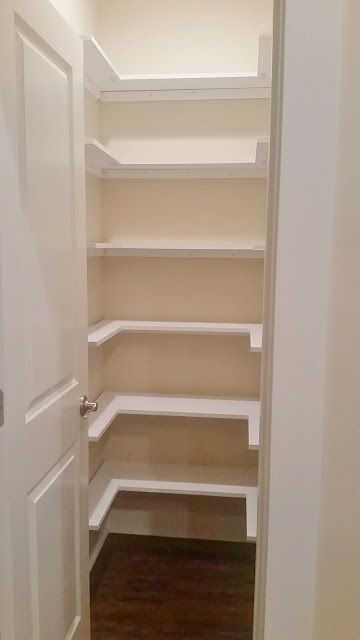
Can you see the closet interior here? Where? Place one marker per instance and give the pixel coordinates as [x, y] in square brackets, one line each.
[177, 117]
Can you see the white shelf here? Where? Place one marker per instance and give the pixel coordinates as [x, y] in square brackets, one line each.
[108, 85]
[133, 250]
[253, 163]
[98, 159]
[226, 482]
[107, 329]
[112, 404]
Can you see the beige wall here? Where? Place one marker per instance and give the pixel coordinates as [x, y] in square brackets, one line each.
[80, 14]
[185, 365]
[191, 131]
[150, 210]
[168, 36]
[338, 582]
[185, 290]
[180, 441]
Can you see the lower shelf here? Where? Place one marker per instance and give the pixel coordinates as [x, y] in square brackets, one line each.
[112, 404]
[181, 479]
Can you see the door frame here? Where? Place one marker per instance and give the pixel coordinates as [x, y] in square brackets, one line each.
[269, 316]
[307, 92]
[8, 172]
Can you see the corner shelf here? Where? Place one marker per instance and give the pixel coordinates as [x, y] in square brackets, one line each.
[225, 482]
[104, 330]
[98, 159]
[103, 163]
[108, 85]
[112, 404]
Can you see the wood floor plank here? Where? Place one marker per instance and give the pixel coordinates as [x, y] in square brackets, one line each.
[145, 588]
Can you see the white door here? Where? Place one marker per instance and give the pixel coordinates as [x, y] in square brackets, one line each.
[43, 291]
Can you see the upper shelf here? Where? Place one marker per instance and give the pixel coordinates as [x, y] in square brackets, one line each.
[108, 85]
[253, 163]
[168, 250]
[104, 330]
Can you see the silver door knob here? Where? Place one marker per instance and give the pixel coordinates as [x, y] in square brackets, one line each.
[86, 406]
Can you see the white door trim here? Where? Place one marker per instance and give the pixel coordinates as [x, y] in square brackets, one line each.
[269, 317]
[307, 93]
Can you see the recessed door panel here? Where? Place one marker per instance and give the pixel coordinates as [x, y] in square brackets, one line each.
[45, 119]
[54, 549]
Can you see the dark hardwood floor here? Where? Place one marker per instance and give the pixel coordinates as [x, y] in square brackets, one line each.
[146, 588]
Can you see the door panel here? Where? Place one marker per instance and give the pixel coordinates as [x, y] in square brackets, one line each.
[54, 543]
[45, 120]
[43, 267]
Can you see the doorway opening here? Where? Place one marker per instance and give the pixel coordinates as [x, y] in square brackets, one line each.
[177, 119]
